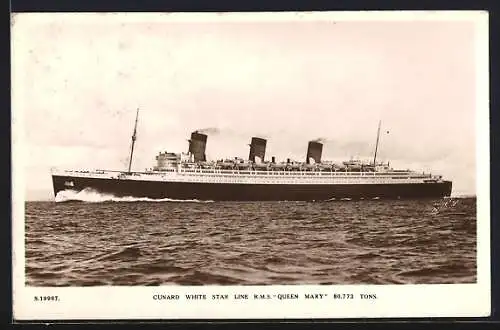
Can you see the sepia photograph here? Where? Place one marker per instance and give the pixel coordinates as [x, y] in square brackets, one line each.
[301, 158]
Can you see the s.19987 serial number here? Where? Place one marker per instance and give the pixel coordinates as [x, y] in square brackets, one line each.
[46, 298]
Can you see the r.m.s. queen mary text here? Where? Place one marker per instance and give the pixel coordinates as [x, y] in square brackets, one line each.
[265, 296]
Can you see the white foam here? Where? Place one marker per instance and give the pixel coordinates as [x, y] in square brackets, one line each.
[92, 196]
[461, 196]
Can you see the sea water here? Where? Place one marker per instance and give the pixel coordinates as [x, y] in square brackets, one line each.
[93, 239]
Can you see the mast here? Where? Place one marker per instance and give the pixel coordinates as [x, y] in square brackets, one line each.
[134, 137]
[376, 144]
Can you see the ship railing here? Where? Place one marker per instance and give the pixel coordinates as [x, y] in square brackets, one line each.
[86, 172]
[412, 175]
[90, 171]
[255, 173]
[112, 173]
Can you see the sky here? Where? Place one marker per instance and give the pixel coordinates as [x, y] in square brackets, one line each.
[77, 81]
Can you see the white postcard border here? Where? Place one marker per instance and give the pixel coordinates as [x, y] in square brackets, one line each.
[448, 300]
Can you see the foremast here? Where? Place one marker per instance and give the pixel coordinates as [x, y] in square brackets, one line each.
[376, 144]
[134, 137]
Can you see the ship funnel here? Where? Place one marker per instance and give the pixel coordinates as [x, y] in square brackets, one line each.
[197, 146]
[257, 149]
[314, 150]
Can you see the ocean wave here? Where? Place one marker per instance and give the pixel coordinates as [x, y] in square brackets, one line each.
[184, 244]
[93, 196]
[461, 196]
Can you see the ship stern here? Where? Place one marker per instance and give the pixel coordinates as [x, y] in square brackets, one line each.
[447, 187]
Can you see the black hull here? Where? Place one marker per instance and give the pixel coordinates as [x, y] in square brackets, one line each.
[252, 192]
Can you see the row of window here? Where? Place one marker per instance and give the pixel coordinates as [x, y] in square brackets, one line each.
[296, 173]
[311, 177]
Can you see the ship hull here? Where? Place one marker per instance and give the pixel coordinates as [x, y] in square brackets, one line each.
[251, 192]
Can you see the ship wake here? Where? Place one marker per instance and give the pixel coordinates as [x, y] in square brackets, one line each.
[93, 196]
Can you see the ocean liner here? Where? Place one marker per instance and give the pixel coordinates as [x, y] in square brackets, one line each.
[190, 176]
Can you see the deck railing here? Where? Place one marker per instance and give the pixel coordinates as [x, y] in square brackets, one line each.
[254, 173]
